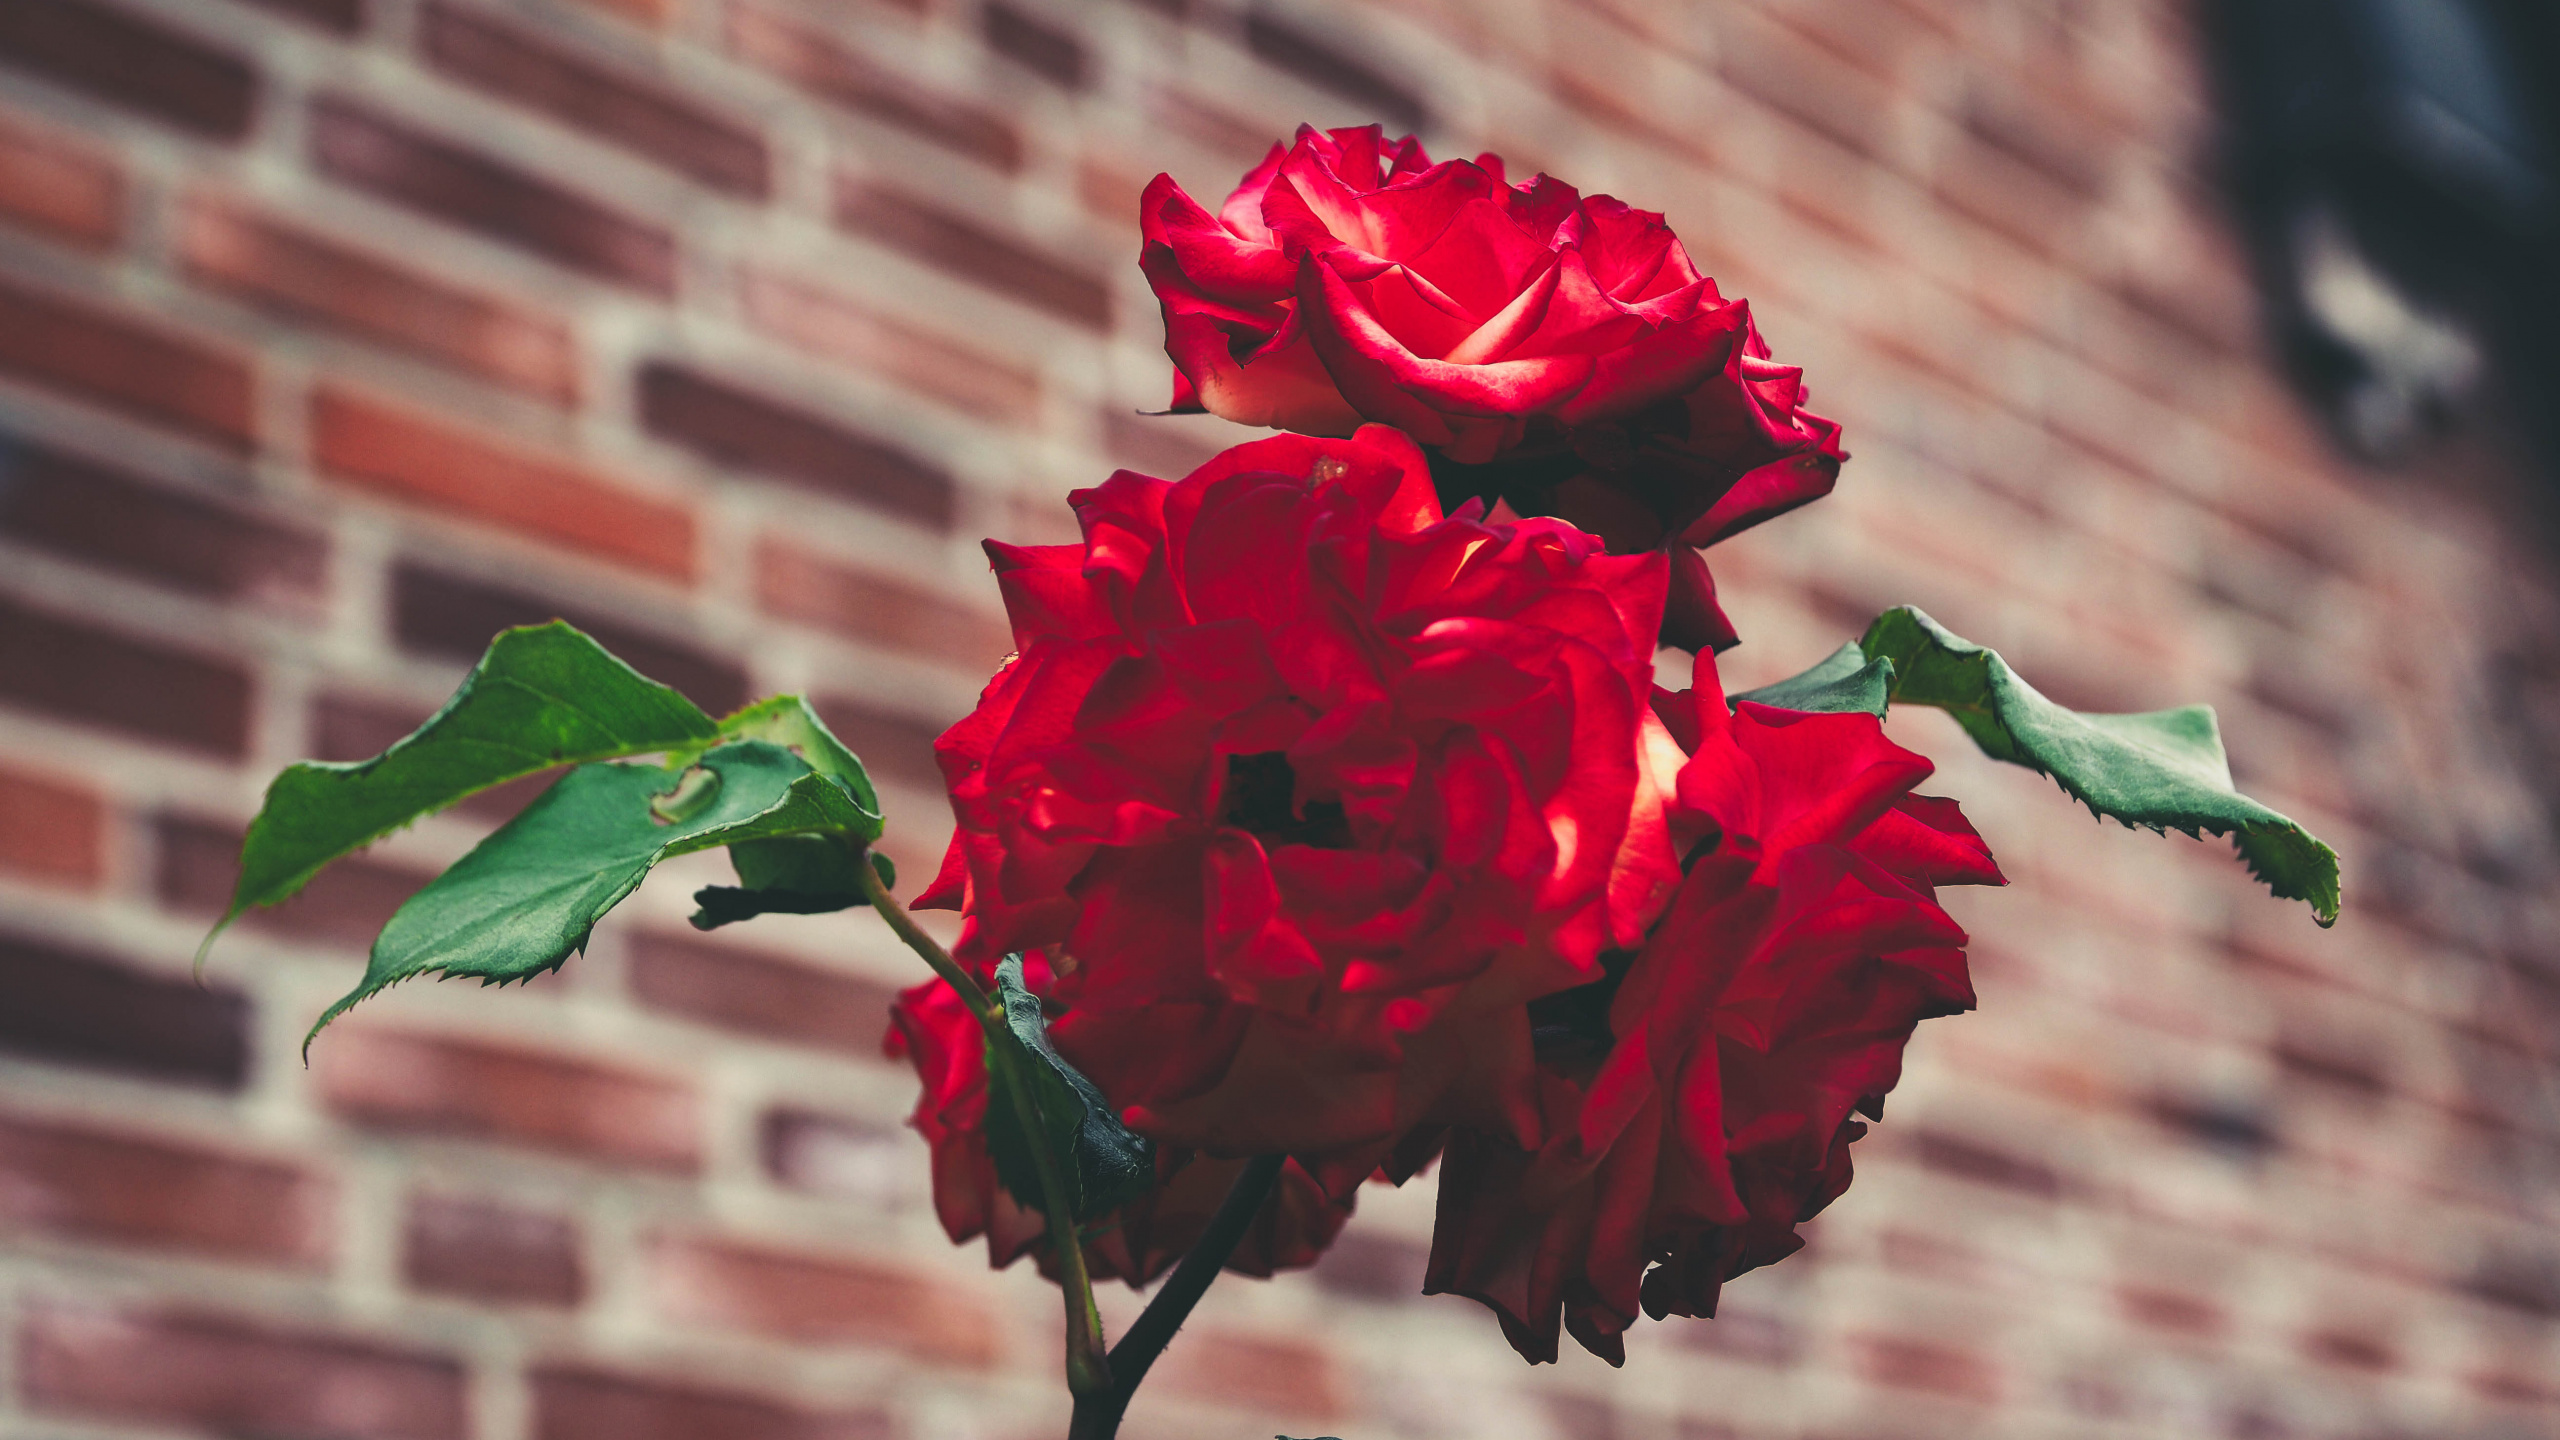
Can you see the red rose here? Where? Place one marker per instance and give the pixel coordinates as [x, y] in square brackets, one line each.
[1699, 1102]
[1556, 351]
[1138, 1242]
[1303, 789]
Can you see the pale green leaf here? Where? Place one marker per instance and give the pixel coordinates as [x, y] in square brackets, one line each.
[2161, 769]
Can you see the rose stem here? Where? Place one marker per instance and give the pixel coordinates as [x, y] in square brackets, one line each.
[1098, 1415]
[877, 892]
[1088, 1362]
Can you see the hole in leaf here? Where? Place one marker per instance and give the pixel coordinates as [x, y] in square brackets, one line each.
[697, 788]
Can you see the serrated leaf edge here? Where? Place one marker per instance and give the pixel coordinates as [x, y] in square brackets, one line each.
[2325, 899]
[684, 846]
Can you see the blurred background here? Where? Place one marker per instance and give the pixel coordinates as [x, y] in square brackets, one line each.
[2187, 351]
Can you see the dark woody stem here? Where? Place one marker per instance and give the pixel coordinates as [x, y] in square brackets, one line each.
[1088, 1366]
[1098, 1414]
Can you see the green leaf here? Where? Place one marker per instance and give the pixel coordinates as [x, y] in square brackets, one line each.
[1105, 1164]
[528, 896]
[2162, 769]
[787, 721]
[1845, 681]
[543, 695]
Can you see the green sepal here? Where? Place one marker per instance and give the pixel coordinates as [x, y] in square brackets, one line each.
[528, 896]
[794, 875]
[542, 695]
[2161, 769]
[1104, 1163]
[1845, 682]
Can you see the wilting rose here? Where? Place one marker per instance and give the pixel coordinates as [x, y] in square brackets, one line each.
[1302, 790]
[1701, 1100]
[932, 1028]
[1554, 351]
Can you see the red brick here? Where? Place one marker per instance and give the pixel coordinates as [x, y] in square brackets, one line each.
[797, 585]
[759, 994]
[2349, 1350]
[818, 1300]
[837, 73]
[1038, 45]
[162, 1195]
[434, 1084]
[892, 746]
[2236, 1129]
[77, 672]
[1969, 1160]
[1805, 83]
[1915, 1365]
[1373, 1267]
[126, 60]
[1756, 1336]
[2172, 1310]
[733, 426]
[1170, 446]
[347, 727]
[452, 618]
[407, 455]
[647, 118]
[968, 249]
[487, 1251]
[1879, 39]
[51, 831]
[1316, 59]
[293, 270]
[574, 1404]
[1989, 184]
[52, 183]
[1241, 139]
[1614, 108]
[2046, 132]
[1937, 1257]
[1107, 188]
[843, 1157]
[1256, 1372]
[198, 543]
[235, 1378]
[346, 17]
[127, 365]
[373, 152]
[1580, 1417]
[2516, 1387]
[836, 327]
[69, 1006]
[345, 905]
[652, 13]
[2333, 1064]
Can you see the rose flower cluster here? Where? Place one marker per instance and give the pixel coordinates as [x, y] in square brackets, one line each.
[1331, 798]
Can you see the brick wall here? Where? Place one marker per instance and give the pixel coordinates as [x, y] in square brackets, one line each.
[335, 334]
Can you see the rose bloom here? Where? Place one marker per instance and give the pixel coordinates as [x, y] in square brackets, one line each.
[1301, 790]
[1558, 352]
[932, 1028]
[1700, 1101]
